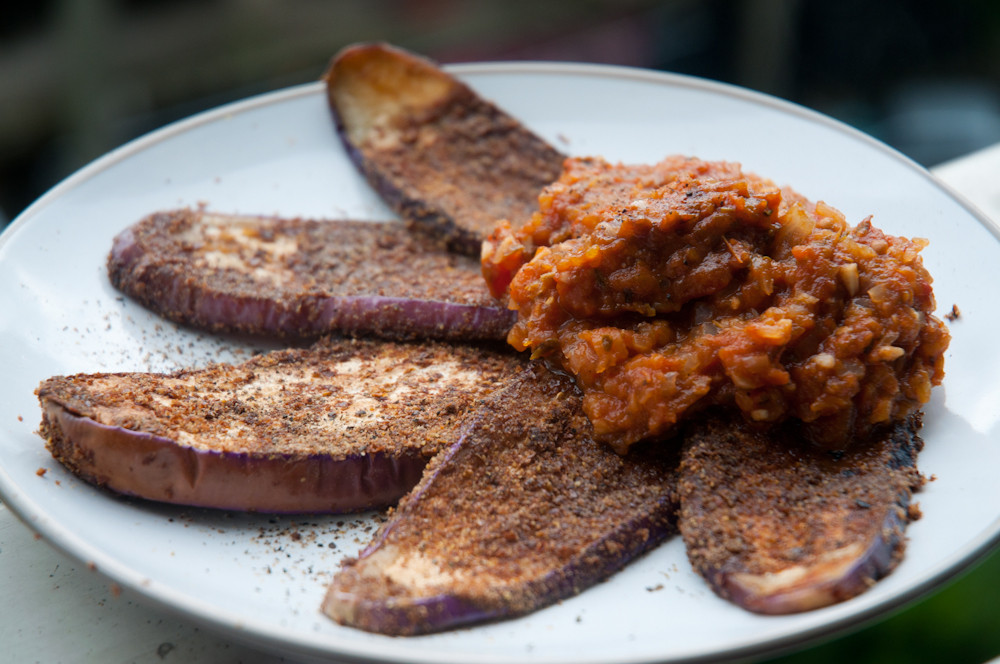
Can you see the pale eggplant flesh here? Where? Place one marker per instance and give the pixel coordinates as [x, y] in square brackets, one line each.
[523, 510]
[445, 159]
[342, 426]
[301, 278]
[779, 526]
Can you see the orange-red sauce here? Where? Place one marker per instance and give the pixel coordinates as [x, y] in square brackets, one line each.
[666, 288]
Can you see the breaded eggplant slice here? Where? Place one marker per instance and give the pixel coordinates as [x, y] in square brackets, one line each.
[342, 426]
[523, 510]
[445, 159]
[302, 278]
[778, 526]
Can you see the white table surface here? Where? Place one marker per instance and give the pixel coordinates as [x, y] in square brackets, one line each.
[53, 609]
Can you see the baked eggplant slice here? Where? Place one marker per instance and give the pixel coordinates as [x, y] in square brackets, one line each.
[342, 426]
[302, 278]
[445, 159]
[524, 509]
[778, 526]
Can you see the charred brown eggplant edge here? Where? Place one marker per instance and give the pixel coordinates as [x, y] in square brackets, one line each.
[778, 527]
[228, 273]
[342, 426]
[446, 160]
[524, 509]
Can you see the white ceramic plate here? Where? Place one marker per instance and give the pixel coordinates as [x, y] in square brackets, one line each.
[261, 578]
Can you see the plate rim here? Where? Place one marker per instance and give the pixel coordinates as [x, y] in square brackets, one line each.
[268, 636]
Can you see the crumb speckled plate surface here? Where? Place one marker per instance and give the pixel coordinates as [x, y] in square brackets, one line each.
[260, 578]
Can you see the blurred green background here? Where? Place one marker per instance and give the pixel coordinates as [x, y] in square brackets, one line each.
[80, 77]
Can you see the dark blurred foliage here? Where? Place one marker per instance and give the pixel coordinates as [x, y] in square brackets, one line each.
[83, 76]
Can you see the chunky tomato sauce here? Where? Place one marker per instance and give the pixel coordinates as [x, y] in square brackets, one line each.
[670, 287]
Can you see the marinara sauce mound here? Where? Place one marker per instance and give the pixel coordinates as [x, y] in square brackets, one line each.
[670, 287]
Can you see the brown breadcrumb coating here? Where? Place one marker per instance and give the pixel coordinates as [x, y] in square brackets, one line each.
[343, 426]
[337, 397]
[525, 509]
[777, 525]
[301, 277]
[444, 158]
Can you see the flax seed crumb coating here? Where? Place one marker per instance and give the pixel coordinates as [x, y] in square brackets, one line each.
[779, 526]
[447, 160]
[342, 411]
[302, 277]
[525, 509]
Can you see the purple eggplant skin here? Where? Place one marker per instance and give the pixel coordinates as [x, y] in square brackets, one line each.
[778, 527]
[152, 467]
[523, 510]
[341, 426]
[178, 289]
[446, 160]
